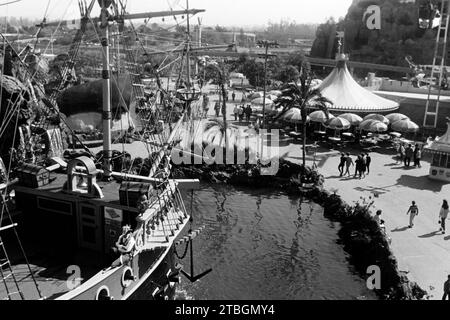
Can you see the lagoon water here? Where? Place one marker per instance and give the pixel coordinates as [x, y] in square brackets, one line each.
[265, 245]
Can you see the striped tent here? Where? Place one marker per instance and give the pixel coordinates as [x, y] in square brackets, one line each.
[347, 95]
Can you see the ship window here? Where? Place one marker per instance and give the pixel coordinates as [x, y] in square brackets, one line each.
[55, 206]
[443, 162]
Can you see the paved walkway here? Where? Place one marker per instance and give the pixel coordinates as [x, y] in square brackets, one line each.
[421, 251]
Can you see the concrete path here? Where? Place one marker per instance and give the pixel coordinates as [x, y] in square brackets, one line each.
[422, 252]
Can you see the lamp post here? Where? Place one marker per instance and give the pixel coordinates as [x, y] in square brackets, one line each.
[267, 45]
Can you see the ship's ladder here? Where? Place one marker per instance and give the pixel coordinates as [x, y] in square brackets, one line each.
[438, 70]
[6, 270]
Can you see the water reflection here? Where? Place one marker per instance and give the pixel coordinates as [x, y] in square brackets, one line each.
[264, 245]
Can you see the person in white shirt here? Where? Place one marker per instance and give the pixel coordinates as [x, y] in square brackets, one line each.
[236, 112]
[125, 246]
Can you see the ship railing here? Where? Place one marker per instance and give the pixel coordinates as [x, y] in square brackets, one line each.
[154, 208]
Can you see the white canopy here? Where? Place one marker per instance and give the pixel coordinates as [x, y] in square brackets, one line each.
[441, 144]
[347, 95]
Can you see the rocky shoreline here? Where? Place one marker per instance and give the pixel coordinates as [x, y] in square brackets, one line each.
[360, 235]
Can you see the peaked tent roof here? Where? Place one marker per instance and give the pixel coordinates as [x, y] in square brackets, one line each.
[440, 144]
[348, 96]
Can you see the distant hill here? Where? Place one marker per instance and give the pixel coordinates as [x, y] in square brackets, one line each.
[399, 36]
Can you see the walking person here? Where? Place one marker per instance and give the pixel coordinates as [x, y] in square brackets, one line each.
[401, 152]
[357, 166]
[233, 96]
[236, 112]
[341, 164]
[443, 213]
[413, 211]
[363, 166]
[446, 289]
[417, 156]
[205, 104]
[409, 152]
[348, 163]
[241, 113]
[217, 108]
[368, 161]
[248, 113]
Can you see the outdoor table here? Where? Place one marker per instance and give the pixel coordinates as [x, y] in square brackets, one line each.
[348, 135]
[370, 141]
[295, 135]
[384, 137]
[395, 134]
[334, 139]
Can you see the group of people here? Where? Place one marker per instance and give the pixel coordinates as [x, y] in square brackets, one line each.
[408, 153]
[362, 165]
[241, 111]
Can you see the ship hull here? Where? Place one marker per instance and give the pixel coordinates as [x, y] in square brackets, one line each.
[150, 269]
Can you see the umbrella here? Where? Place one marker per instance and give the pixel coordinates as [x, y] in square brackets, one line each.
[405, 125]
[378, 117]
[294, 115]
[373, 126]
[320, 116]
[260, 101]
[271, 97]
[338, 124]
[275, 92]
[256, 95]
[354, 119]
[394, 117]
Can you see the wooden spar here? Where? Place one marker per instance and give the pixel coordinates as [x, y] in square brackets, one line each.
[134, 16]
[106, 75]
[192, 50]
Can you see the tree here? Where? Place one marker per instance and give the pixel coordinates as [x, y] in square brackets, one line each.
[288, 74]
[302, 96]
[220, 133]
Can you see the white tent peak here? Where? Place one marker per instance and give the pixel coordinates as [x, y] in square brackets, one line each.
[347, 95]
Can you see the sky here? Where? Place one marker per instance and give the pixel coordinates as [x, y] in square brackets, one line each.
[218, 12]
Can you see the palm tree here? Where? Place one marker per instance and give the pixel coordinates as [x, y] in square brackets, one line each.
[220, 131]
[302, 96]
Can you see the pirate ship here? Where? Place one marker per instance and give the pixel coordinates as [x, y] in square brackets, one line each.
[73, 205]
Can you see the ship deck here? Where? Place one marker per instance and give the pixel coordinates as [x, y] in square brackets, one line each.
[110, 190]
[50, 270]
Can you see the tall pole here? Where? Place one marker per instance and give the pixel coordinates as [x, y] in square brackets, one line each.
[266, 44]
[107, 115]
[199, 42]
[188, 47]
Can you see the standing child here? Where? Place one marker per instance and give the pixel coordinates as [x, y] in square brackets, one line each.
[413, 212]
